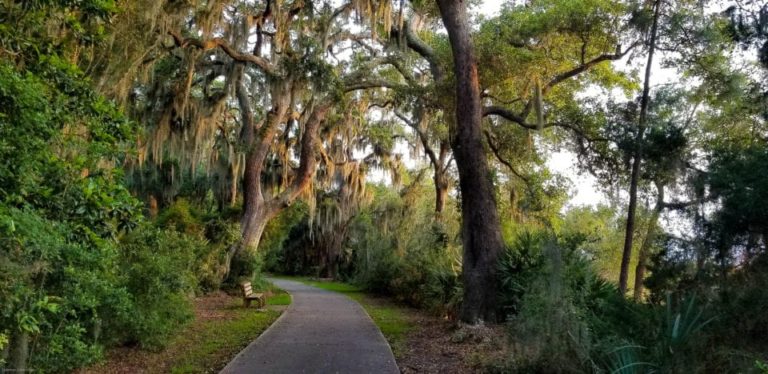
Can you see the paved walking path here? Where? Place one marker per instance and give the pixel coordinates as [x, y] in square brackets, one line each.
[321, 332]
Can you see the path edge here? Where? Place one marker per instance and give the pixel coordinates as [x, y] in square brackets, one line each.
[267, 330]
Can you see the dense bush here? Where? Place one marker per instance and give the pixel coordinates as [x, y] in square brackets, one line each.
[56, 293]
[566, 318]
[158, 268]
[399, 249]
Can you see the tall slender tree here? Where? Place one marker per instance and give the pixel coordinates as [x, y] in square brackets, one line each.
[626, 255]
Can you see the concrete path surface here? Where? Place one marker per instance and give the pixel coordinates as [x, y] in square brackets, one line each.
[320, 332]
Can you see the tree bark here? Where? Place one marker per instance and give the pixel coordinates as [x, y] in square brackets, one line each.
[645, 248]
[441, 193]
[626, 255]
[255, 205]
[19, 351]
[481, 232]
[258, 209]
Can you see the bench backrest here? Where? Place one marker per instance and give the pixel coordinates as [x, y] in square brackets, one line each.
[247, 289]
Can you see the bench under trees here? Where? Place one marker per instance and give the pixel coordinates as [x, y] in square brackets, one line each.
[249, 296]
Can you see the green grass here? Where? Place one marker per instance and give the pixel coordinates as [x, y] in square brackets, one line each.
[393, 320]
[221, 329]
[279, 299]
[208, 347]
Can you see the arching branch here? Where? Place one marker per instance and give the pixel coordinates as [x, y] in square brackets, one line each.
[222, 44]
[513, 117]
[424, 50]
[588, 65]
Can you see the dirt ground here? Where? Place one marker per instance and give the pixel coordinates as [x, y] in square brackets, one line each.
[436, 345]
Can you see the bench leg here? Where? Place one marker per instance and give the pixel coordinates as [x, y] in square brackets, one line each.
[247, 303]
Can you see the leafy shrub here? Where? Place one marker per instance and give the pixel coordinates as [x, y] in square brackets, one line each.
[547, 320]
[60, 307]
[519, 264]
[221, 235]
[180, 216]
[402, 251]
[158, 268]
[562, 316]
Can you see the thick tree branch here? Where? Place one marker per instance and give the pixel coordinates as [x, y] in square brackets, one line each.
[369, 84]
[222, 44]
[307, 159]
[587, 65]
[513, 117]
[419, 46]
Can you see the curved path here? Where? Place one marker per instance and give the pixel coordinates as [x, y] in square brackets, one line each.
[321, 332]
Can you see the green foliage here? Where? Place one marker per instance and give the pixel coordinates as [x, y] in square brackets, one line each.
[531, 44]
[559, 308]
[743, 193]
[410, 256]
[182, 218]
[159, 271]
[275, 241]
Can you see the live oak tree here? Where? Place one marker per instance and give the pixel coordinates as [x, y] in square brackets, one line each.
[538, 59]
[256, 83]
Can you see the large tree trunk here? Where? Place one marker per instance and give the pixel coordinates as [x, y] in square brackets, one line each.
[626, 255]
[258, 138]
[258, 209]
[481, 233]
[645, 248]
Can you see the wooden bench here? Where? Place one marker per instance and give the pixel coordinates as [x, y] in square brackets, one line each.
[249, 296]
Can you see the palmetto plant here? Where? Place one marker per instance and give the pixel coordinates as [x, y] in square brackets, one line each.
[680, 322]
[626, 359]
[683, 324]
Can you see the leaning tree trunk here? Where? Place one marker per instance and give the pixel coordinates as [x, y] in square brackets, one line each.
[645, 248]
[626, 255]
[481, 232]
[257, 210]
[441, 192]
